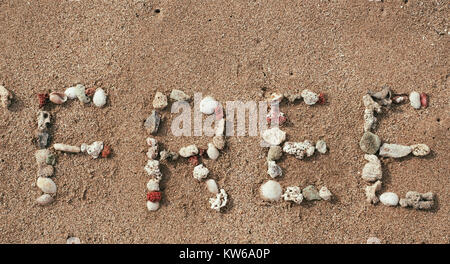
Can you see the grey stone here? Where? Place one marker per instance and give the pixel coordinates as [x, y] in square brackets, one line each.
[275, 153]
[369, 143]
[42, 139]
[151, 124]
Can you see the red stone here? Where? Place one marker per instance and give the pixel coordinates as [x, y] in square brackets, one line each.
[90, 91]
[106, 151]
[322, 99]
[43, 99]
[193, 160]
[154, 196]
[424, 100]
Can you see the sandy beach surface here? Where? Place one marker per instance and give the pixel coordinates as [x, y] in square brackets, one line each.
[232, 50]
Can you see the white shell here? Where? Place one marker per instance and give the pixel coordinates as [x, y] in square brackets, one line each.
[208, 105]
[99, 98]
[44, 199]
[274, 136]
[46, 185]
[211, 185]
[152, 206]
[414, 99]
[212, 151]
[389, 199]
[271, 191]
[200, 172]
[324, 193]
[71, 92]
[394, 150]
[153, 185]
[188, 151]
[273, 169]
[58, 98]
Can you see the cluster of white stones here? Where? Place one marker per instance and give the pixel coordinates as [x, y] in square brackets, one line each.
[208, 106]
[272, 190]
[46, 159]
[371, 145]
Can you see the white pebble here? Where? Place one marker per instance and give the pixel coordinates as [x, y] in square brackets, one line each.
[324, 193]
[46, 185]
[394, 150]
[212, 151]
[274, 136]
[211, 185]
[160, 101]
[321, 146]
[372, 170]
[420, 150]
[66, 148]
[200, 172]
[44, 199]
[389, 199]
[208, 105]
[414, 99]
[153, 185]
[294, 194]
[309, 97]
[152, 206]
[99, 98]
[373, 240]
[73, 240]
[271, 191]
[273, 169]
[188, 151]
[219, 201]
[71, 92]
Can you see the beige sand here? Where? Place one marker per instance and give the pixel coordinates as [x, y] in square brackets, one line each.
[231, 51]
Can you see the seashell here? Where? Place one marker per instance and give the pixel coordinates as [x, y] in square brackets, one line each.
[293, 194]
[274, 136]
[94, 150]
[152, 206]
[310, 193]
[321, 146]
[324, 193]
[73, 240]
[151, 124]
[200, 172]
[46, 185]
[66, 148]
[44, 120]
[270, 191]
[44, 199]
[219, 201]
[389, 199]
[46, 171]
[208, 105]
[211, 185]
[160, 101]
[71, 92]
[414, 100]
[153, 185]
[188, 151]
[212, 151]
[371, 196]
[394, 150]
[219, 142]
[5, 97]
[57, 98]
[178, 95]
[424, 100]
[310, 98]
[99, 98]
[273, 169]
